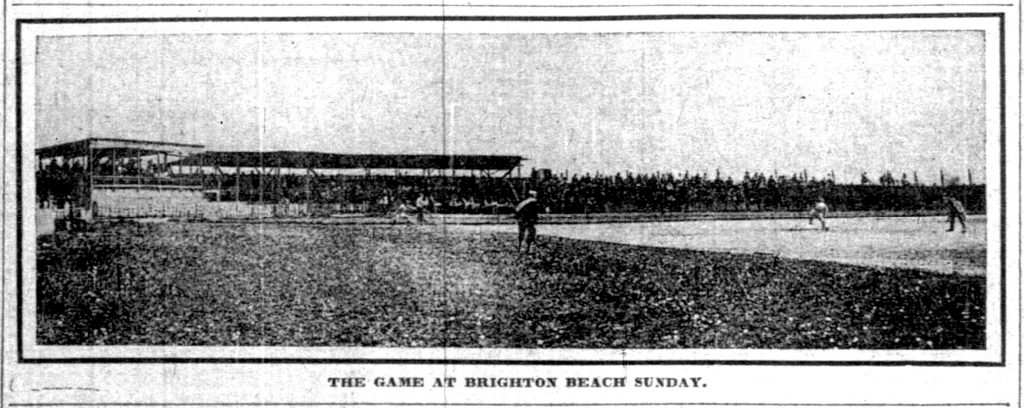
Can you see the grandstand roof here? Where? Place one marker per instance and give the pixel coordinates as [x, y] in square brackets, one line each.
[120, 147]
[303, 160]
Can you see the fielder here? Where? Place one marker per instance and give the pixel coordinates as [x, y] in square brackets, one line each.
[818, 212]
[527, 212]
[956, 212]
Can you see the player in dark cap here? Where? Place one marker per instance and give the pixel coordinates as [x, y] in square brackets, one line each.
[527, 213]
[956, 212]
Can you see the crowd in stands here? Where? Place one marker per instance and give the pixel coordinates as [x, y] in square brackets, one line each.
[374, 193]
[559, 193]
[753, 192]
[59, 184]
[601, 193]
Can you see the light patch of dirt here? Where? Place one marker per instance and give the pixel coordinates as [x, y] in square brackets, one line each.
[903, 242]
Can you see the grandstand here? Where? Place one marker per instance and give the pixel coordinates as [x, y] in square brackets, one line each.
[134, 178]
[302, 177]
[103, 172]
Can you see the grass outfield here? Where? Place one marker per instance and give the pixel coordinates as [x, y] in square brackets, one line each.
[420, 286]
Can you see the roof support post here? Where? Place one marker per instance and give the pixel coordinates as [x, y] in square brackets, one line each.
[309, 180]
[219, 175]
[88, 177]
[138, 172]
[238, 181]
[260, 183]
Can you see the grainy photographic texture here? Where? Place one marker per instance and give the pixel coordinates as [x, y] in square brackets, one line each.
[592, 190]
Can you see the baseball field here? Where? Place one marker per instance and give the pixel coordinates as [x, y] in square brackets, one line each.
[896, 242]
[593, 286]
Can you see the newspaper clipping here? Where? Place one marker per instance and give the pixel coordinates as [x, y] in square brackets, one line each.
[589, 204]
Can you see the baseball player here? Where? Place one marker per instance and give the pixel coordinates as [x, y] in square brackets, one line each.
[527, 213]
[422, 207]
[956, 212]
[818, 212]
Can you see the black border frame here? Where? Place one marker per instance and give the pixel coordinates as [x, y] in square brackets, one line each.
[19, 227]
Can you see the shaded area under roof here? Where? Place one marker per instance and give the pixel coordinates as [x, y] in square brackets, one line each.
[105, 147]
[314, 160]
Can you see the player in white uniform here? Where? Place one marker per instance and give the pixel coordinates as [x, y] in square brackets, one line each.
[422, 207]
[818, 211]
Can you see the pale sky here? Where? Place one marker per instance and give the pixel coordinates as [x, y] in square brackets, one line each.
[643, 102]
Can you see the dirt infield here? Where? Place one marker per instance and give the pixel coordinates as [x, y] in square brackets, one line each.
[902, 242]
